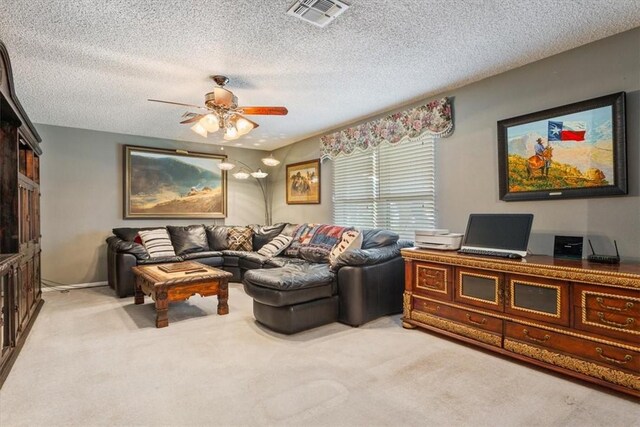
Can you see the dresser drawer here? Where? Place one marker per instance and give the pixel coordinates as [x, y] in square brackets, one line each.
[611, 312]
[432, 280]
[584, 348]
[480, 321]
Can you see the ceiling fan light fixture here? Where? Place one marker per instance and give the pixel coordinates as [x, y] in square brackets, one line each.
[226, 166]
[241, 175]
[271, 161]
[244, 126]
[210, 122]
[231, 133]
[259, 174]
[199, 129]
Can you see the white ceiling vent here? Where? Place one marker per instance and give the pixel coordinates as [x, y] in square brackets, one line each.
[318, 12]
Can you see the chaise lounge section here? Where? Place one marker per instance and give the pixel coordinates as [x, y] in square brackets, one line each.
[294, 291]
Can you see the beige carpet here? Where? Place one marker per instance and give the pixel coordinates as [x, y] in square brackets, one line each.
[94, 359]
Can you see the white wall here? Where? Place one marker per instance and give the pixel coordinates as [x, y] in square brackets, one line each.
[467, 162]
[82, 196]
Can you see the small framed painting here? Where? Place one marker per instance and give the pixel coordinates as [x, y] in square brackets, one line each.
[578, 150]
[162, 183]
[303, 182]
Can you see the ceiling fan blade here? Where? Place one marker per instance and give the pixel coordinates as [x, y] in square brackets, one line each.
[191, 118]
[264, 111]
[178, 103]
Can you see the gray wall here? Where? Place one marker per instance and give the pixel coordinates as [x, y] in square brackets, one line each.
[82, 197]
[467, 179]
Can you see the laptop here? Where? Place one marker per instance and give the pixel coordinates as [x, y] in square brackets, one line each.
[499, 233]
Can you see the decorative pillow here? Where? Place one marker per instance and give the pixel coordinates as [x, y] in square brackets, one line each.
[239, 239]
[265, 234]
[188, 239]
[157, 243]
[301, 236]
[351, 239]
[275, 246]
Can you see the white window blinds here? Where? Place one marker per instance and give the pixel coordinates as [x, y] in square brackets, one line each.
[391, 186]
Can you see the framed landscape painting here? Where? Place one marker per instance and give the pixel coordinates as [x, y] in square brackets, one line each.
[578, 150]
[173, 184]
[303, 182]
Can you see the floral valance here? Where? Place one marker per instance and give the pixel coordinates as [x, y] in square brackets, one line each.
[434, 118]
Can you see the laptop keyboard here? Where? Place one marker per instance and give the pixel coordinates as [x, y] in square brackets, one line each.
[489, 253]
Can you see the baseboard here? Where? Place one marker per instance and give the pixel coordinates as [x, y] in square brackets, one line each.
[51, 288]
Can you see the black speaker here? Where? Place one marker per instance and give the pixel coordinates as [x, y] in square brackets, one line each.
[568, 247]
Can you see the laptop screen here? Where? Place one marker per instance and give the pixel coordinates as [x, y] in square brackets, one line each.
[499, 232]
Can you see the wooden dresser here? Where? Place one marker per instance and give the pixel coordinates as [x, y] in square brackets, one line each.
[20, 290]
[574, 317]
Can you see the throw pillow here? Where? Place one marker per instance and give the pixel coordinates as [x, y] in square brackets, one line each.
[157, 243]
[351, 239]
[275, 246]
[239, 239]
[188, 239]
[217, 235]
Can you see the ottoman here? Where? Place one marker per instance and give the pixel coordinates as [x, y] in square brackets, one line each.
[293, 298]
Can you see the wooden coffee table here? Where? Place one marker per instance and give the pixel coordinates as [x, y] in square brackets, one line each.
[165, 287]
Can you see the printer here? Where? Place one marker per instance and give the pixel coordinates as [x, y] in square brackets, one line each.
[438, 239]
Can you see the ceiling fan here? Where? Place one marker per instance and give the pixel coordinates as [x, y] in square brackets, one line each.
[221, 111]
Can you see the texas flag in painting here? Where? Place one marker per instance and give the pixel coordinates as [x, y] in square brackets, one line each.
[567, 131]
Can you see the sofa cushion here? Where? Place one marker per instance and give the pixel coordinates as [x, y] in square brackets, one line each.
[203, 254]
[160, 260]
[130, 233]
[264, 234]
[157, 243]
[118, 245]
[377, 238]
[351, 239]
[314, 254]
[239, 239]
[275, 246]
[188, 239]
[292, 277]
[217, 237]
[281, 261]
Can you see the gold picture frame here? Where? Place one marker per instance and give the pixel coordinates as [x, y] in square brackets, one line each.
[303, 183]
[160, 183]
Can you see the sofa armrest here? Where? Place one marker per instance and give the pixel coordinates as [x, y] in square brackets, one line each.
[123, 274]
[359, 257]
[118, 245]
[369, 291]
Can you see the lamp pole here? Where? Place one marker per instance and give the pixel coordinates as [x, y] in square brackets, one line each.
[263, 188]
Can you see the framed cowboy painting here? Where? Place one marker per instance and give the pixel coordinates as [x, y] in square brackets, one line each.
[577, 150]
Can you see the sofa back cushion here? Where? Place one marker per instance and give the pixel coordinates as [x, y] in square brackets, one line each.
[157, 243]
[240, 239]
[378, 238]
[275, 246]
[188, 239]
[265, 233]
[217, 236]
[129, 234]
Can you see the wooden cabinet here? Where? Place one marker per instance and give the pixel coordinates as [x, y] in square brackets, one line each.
[573, 317]
[20, 289]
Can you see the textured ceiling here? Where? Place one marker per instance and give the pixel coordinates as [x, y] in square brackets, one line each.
[92, 64]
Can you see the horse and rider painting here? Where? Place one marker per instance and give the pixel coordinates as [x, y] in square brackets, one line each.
[577, 150]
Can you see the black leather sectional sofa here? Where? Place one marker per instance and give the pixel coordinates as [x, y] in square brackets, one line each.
[290, 294]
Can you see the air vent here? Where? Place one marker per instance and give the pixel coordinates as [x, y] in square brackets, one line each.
[318, 12]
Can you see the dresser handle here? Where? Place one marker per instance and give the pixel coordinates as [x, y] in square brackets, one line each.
[629, 321]
[627, 305]
[482, 322]
[627, 357]
[545, 338]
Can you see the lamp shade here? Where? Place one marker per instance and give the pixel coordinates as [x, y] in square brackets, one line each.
[210, 122]
[243, 126]
[271, 161]
[259, 174]
[199, 129]
[226, 165]
[241, 175]
[231, 133]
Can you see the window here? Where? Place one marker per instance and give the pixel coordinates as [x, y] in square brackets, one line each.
[390, 186]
